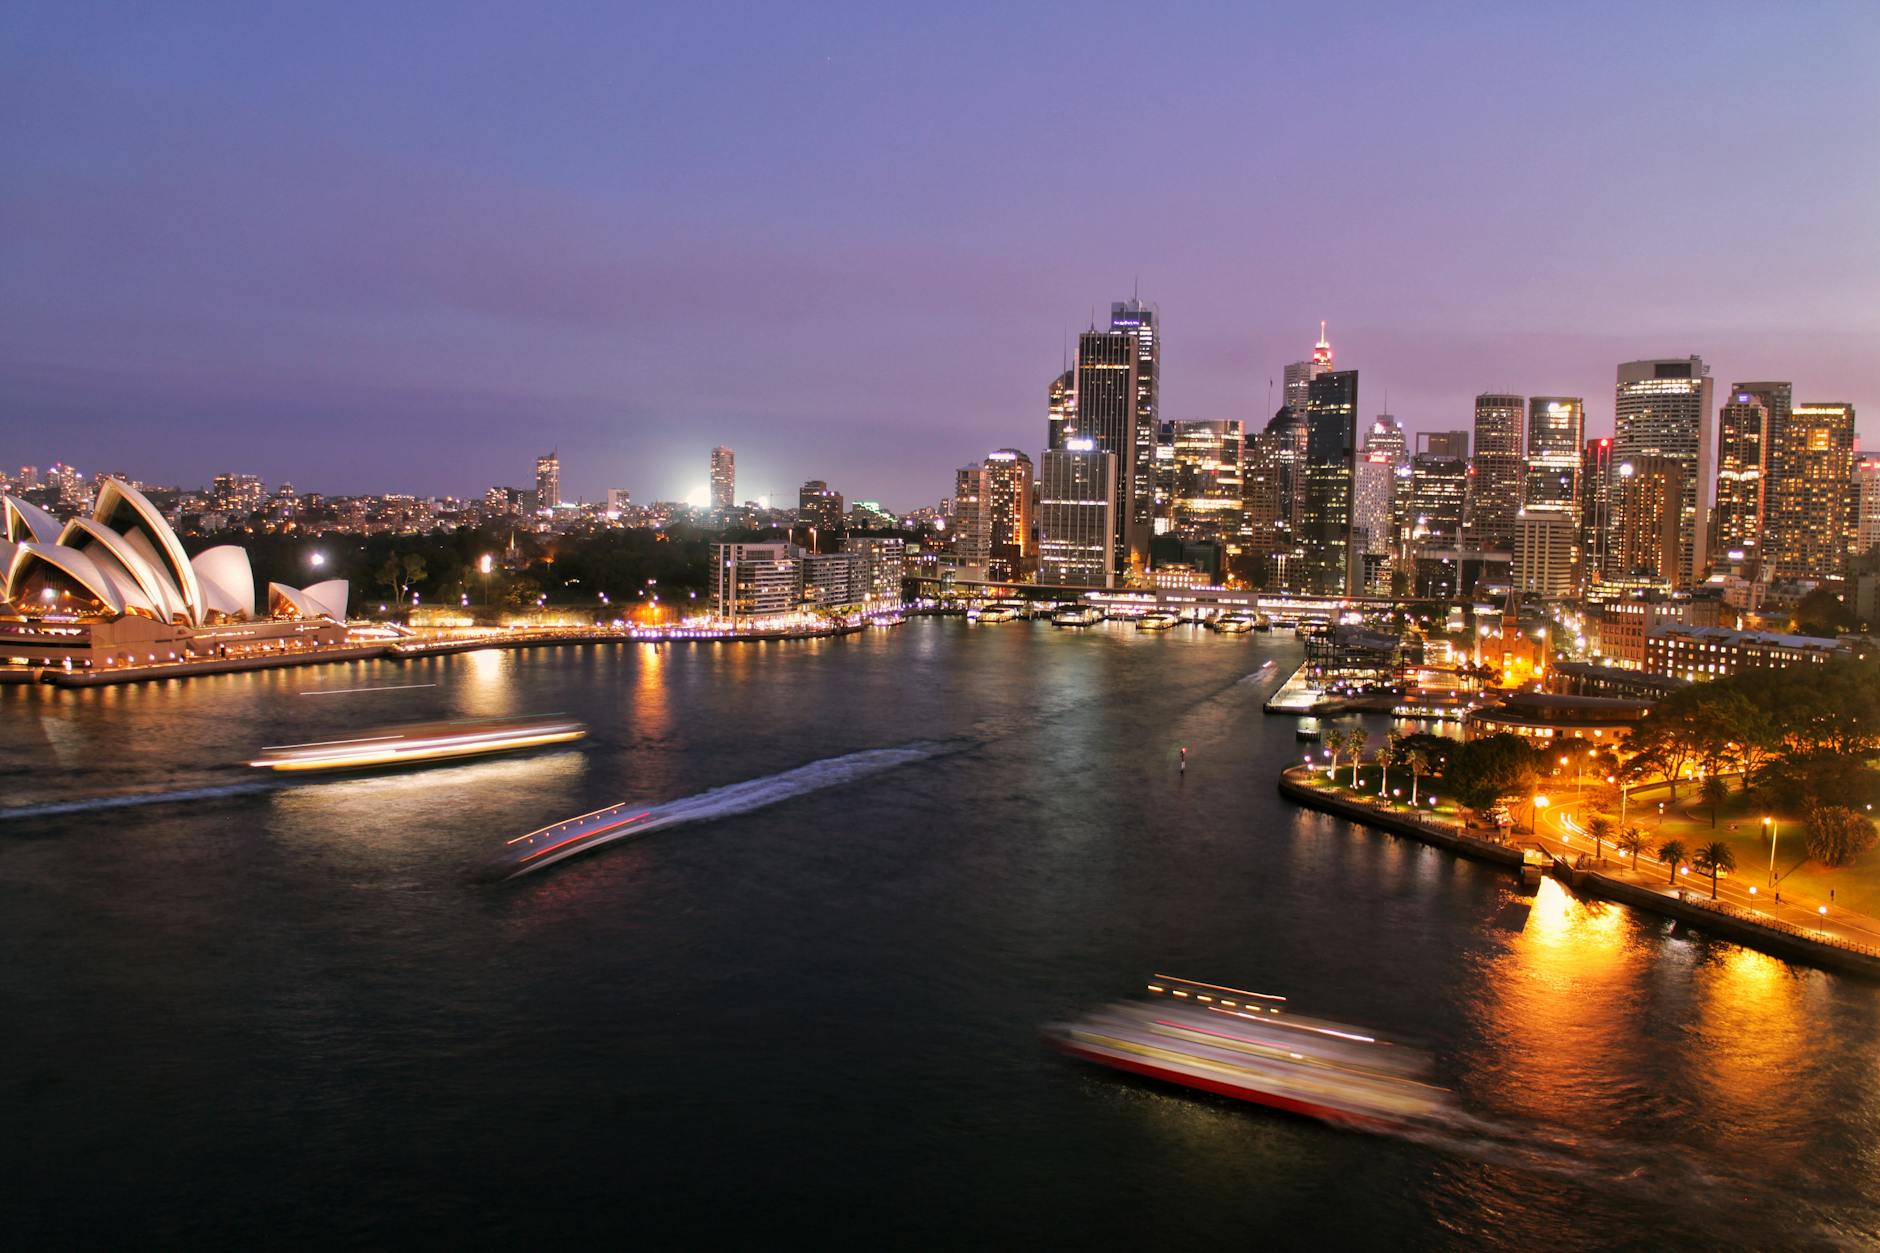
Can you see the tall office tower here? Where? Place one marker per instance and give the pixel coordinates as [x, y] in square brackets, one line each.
[1008, 493]
[1813, 505]
[548, 481]
[1331, 450]
[1077, 515]
[1061, 409]
[1373, 534]
[1444, 444]
[1555, 444]
[619, 500]
[1663, 410]
[1107, 403]
[1207, 480]
[1595, 508]
[1386, 435]
[1866, 505]
[1738, 517]
[1648, 537]
[1274, 460]
[724, 479]
[972, 521]
[1545, 552]
[1164, 478]
[1495, 484]
[1439, 488]
[1133, 317]
[1299, 374]
[820, 509]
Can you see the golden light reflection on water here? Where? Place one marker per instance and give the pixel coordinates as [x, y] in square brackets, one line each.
[651, 712]
[1752, 1012]
[483, 684]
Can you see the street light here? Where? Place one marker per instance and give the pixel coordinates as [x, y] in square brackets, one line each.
[1772, 825]
[1534, 806]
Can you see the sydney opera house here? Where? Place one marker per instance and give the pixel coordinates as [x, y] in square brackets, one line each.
[116, 589]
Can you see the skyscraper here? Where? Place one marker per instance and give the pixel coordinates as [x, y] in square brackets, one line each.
[1595, 508]
[1275, 496]
[1738, 517]
[1555, 445]
[548, 481]
[1648, 539]
[1663, 410]
[1112, 404]
[1207, 489]
[1299, 374]
[1495, 484]
[1331, 450]
[1373, 539]
[1814, 492]
[820, 509]
[972, 521]
[1061, 409]
[1444, 444]
[1777, 397]
[1076, 515]
[1866, 504]
[724, 479]
[1544, 551]
[1008, 514]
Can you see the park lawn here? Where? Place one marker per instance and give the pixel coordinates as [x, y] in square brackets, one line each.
[1369, 778]
[1855, 887]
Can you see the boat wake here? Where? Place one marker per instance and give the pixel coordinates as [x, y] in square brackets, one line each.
[528, 853]
[135, 798]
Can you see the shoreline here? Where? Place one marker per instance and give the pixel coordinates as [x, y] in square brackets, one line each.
[1719, 921]
[393, 651]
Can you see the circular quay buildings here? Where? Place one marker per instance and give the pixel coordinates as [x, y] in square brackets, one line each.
[115, 591]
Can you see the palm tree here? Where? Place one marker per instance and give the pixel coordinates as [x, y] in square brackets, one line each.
[1631, 840]
[1334, 741]
[1417, 761]
[1386, 758]
[1713, 858]
[1713, 791]
[1355, 742]
[1671, 852]
[1599, 826]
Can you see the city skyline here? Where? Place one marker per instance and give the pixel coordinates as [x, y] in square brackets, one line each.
[424, 266]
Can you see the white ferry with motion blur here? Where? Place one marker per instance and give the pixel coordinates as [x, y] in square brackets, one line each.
[1160, 620]
[1077, 616]
[1250, 1046]
[1232, 624]
[421, 743]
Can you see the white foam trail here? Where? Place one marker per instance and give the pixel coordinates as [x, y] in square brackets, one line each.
[138, 798]
[607, 825]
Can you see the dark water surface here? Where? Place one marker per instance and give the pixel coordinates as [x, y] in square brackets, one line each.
[292, 1015]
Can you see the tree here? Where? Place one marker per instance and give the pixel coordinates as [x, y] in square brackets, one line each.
[1599, 826]
[1483, 771]
[1714, 791]
[1334, 743]
[1631, 841]
[1416, 761]
[1671, 852]
[1355, 741]
[1822, 613]
[1835, 835]
[1712, 859]
[1386, 758]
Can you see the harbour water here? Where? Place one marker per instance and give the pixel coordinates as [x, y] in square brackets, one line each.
[244, 1010]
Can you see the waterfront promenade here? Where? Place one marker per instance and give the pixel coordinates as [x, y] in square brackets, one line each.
[1797, 928]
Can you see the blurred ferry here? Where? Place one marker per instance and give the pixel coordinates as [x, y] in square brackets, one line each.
[1232, 624]
[1077, 616]
[1249, 1045]
[422, 743]
[1160, 620]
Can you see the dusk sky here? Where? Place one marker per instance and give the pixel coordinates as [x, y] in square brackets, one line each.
[408, 248]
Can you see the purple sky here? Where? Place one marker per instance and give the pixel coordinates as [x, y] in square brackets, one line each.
[406, 247]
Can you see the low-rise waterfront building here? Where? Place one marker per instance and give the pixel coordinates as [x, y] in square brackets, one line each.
[1702, 653]
[1545, 716]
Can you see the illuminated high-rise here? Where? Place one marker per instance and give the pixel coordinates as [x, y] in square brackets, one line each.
[1061, 409]
[1555, 444]
[1738, 517]
[1076, 515]
[724, 479]
[1495, 480]
[1647, 541]
[1207, 492]
[548, 481]
[1008, 486]
[972, 521]
[1814, 493]
[1866, 505]
[1115, 400]
[1776, 399]
[1331, 451]
[819, 509]
[1595, 508]
[1663, 410]
[1299, 375]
